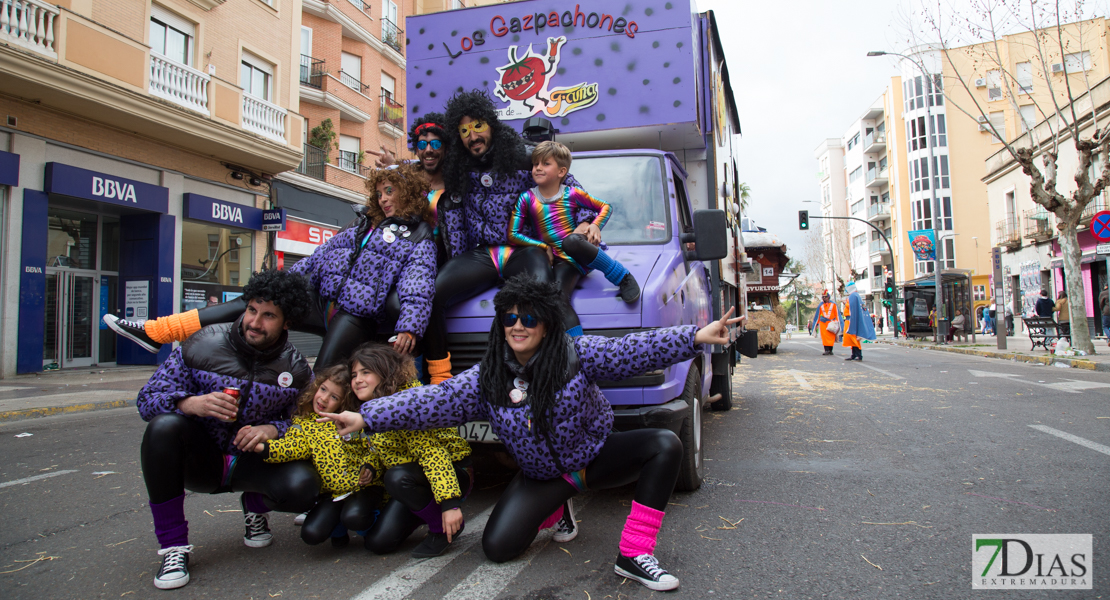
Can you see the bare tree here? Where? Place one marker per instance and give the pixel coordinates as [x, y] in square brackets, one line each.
[970, 42]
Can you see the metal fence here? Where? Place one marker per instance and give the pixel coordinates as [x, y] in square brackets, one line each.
[312, 71]
[313, 162]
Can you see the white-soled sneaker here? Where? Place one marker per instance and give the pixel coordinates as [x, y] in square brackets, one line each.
[257, 528]
[645, 569]
[134, 331]
[299, 519]
[175, 567]
[567, 528]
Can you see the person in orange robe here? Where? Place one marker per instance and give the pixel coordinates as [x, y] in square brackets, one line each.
[826, 313]
[858, 324]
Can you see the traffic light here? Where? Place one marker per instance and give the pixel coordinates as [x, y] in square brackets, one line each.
[803, 220]
[888, 291]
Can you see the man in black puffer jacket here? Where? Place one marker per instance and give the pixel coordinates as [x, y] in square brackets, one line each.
[199, 436]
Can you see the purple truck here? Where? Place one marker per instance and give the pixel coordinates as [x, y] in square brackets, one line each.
[639, 90]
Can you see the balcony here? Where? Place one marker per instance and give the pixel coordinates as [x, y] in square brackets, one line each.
[1038, 225]
[263, 118]
[178, 83]
[1007, 233]
[874, 142]
[876, 178]
[391, 118]
[29, 24]
[312, 72]
[313, 163]
[353, 82]
[879, 247]
[340, 93]
[393, 36]
[1095, 206]
[357, 25]
[878, 212]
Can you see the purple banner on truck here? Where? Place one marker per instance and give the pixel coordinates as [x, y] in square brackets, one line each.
[586, 66]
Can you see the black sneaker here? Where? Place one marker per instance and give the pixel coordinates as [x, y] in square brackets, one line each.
[630, 290]
[645, 569]
[134, 331]
[175, 568]
[567, 528]
[435, 544]
[257, 528]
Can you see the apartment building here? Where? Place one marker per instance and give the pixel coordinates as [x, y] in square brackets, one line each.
[137, 146]
[834, 233]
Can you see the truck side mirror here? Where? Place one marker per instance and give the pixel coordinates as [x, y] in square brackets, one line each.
[709, 236]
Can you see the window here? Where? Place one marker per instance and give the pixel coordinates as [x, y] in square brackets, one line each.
[915, 134]
[882, 164]
[1023, 72]
[948, 254]
[350, 71]
[456, 4]
[994, 85]
[998, 120]
[306, 41]
[859, 240]
[1077, 61]
[853, 141]
[916, 95]
[940, 173]
[886, 198]
[389, 84]
[919, 174]
[855, 175]
[880, 128]
[256, 77]
[171, 36]
[1028, 115]
[946, 217]
[938, 136]
[857, 206]
[348, 153]
[979, 292]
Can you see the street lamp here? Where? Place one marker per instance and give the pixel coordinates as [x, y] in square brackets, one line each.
[935, 177]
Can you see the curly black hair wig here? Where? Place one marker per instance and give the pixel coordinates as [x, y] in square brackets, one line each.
[289, 291]
[549, 367]
[432, 122]
[505, 155]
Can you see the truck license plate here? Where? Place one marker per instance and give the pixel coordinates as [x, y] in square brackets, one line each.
[478, 431]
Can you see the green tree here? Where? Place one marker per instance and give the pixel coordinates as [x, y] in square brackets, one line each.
[745, 192]
[798, 292]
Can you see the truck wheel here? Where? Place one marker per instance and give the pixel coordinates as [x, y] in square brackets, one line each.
[774, 349]
[724, 389]
[689, 476]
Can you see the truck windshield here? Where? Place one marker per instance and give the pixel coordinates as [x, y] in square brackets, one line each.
[633, 186]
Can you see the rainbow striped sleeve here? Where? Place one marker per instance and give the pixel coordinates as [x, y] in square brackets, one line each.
[526, 203]
[585, 200]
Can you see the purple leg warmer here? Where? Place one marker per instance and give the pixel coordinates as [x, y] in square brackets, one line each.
[432, 515]
[253, 502]
[170, 525]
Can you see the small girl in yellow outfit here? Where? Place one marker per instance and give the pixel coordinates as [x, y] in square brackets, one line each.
[350, 471]
[428, 473]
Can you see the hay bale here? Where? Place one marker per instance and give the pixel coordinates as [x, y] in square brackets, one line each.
[768, 324]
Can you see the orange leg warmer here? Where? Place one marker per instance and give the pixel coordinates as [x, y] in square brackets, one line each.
[174, 328]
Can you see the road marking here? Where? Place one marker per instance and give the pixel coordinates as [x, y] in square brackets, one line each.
[413, 574]
[1071, 386]
[993, 374]
[1073, 438]
[36, 478]
[1075, 385]
[878, 370]
[12, 388]
[801, 380]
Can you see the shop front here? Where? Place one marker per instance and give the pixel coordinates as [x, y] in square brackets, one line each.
[1094, 277]
[218, 247]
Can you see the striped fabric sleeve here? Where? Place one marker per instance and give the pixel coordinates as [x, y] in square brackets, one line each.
[516, 222]
[584, 200]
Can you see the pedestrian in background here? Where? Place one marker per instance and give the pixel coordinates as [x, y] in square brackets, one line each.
[1044, 306]
[1063, 321]
[1104, 306]
[827, 313]
[859, 323]
[1009, 320]
[956, 331]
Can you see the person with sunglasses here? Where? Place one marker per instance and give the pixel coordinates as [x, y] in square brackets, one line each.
[536, 386]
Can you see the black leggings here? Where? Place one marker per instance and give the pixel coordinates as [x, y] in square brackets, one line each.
[410, 491]
[356, 512]
[566, 275]
[651, 457]
[342, 334]
[177, 454]
[469, 274]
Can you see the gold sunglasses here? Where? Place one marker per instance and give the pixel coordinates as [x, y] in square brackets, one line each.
[473, 126]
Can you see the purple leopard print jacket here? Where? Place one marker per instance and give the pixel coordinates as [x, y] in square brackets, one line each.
[482, 217]
[582, 417]
[359, 278]
[217, 357]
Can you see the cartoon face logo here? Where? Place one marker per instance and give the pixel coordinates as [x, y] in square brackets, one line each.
[922, 247]
[524, 81]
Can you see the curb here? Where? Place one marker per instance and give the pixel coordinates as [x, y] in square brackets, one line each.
[50, 411]
[1047, 360]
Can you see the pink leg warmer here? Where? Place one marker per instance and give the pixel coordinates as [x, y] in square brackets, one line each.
[552, 519]
[640, 530]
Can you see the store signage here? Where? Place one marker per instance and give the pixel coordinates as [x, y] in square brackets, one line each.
[1102, 249]
[204, 208]
[764, 288]
[68, 180]
[273, 219]
[9, 169]
[302, 238]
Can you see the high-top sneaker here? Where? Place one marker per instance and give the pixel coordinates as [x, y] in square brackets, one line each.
[175, 567]
[629, 289]
[257, 528]
[645, 569]
[134, 331]
[566, 529]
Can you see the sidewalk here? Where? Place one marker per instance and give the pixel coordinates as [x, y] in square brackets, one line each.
[71, 390]
[1017, 349]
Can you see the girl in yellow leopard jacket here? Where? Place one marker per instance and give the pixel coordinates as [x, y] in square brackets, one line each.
[349, 468]
[428, 473]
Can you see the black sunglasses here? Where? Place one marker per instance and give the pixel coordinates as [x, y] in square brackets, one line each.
[529, 321]
[435, 144]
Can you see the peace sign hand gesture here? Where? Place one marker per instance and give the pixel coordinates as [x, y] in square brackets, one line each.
[717, 331]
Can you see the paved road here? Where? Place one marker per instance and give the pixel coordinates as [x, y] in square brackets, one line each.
[837, 480]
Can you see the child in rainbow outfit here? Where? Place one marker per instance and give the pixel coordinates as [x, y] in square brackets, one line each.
[551, 209]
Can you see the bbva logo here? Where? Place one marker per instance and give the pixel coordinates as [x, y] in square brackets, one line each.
[224, 212]
[110, 188]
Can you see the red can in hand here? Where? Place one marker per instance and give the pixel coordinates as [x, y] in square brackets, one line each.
[234, 393]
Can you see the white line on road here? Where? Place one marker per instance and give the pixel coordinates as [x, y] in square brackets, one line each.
[801, 380]
[1073, 438]
[878, 370]
[36, 478]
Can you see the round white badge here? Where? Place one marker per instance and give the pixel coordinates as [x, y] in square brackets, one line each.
[285, 379]
[520, 384]
[516, 396]
[388, 236]
[487, 180]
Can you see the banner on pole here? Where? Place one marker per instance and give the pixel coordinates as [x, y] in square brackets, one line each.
[924, 244]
